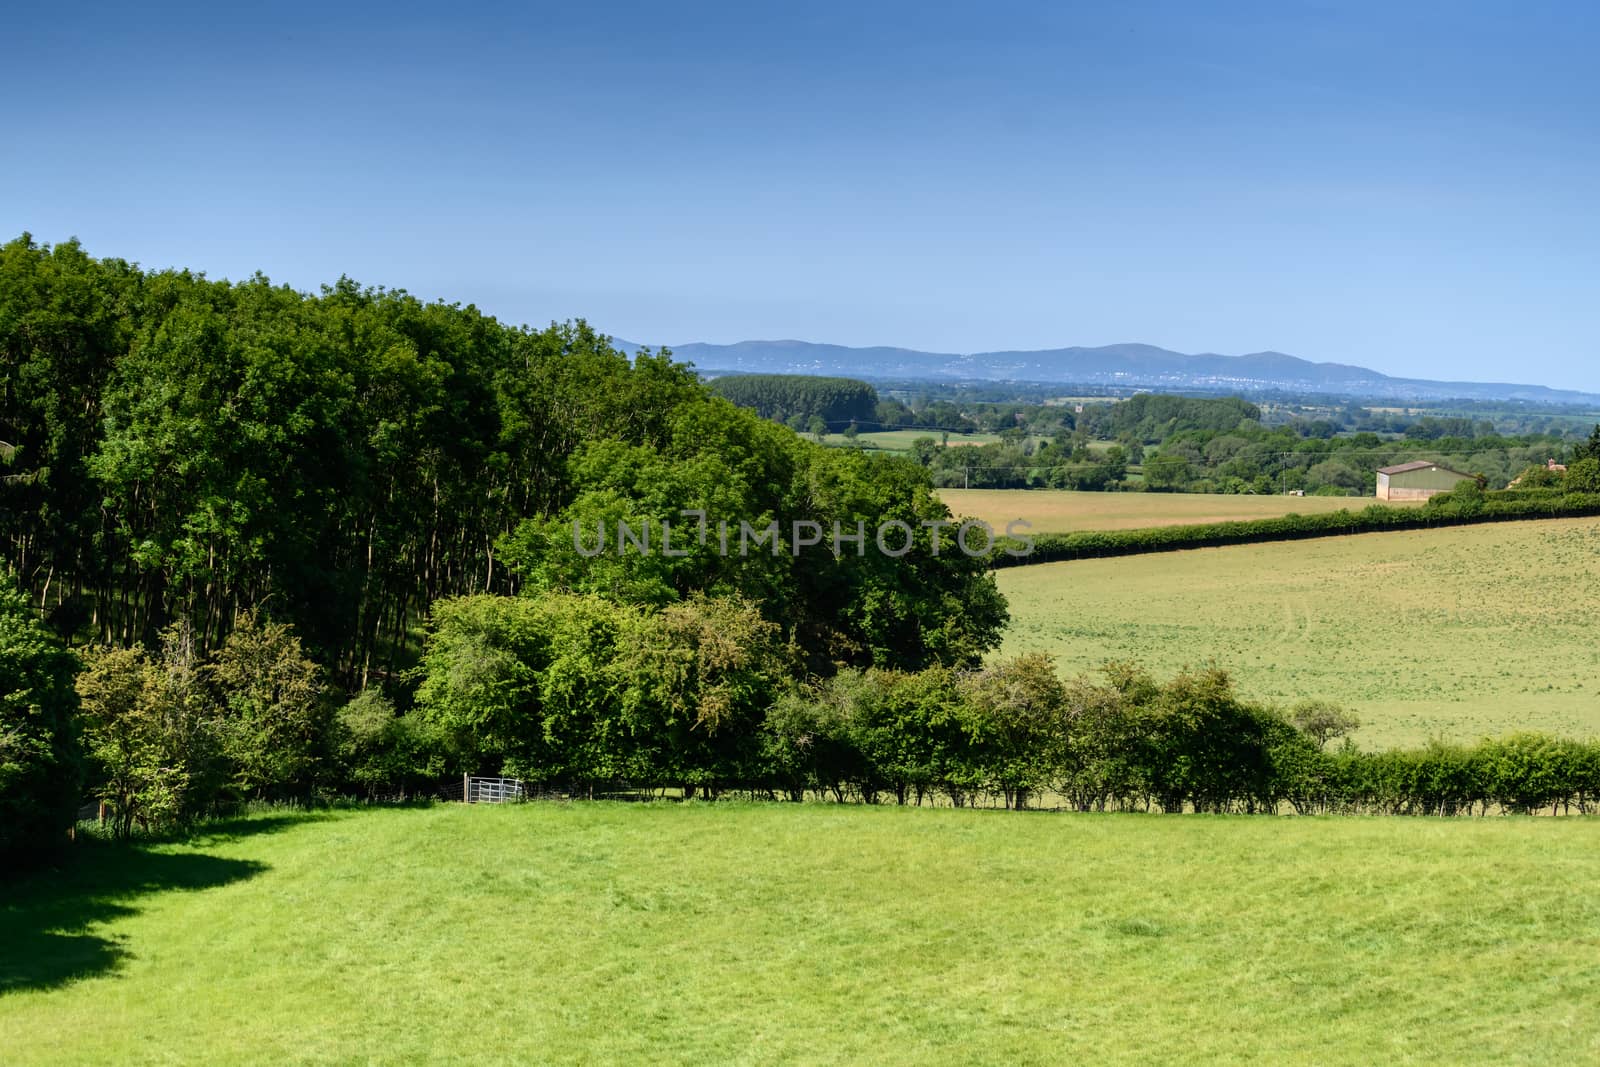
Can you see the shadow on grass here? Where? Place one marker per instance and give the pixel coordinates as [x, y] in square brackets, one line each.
[47, 919]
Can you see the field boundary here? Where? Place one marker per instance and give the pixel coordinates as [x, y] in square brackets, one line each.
[1489, 507]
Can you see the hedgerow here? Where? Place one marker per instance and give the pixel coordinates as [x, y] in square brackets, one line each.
[1450, 509]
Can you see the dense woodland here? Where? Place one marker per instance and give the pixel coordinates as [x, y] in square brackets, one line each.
[802, 402]
[180, 449]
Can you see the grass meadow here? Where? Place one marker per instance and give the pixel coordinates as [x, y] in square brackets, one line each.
[812, 934]
[1066, 510]
[900, 440]
[1459, 632]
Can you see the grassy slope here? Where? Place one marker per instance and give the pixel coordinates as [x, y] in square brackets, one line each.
[1461, 632]
[608, 933]
[1063, 510]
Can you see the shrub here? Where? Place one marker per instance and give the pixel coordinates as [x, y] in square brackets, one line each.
[1583, 476]
[1538, 476]
[135, 754]
[378, 749]
[273, 695]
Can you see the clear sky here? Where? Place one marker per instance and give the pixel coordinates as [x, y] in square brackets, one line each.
[1409, 186]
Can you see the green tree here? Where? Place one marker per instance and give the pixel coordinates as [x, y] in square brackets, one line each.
[1334, 474]
[1114, 465]
[137, 765]
[1582, 476]
[40, 769]
[1590, 448]
[1538, 476]
[1323, 721]
[1166, 473]
[1467, 498]
[695, 679]
[274, 720]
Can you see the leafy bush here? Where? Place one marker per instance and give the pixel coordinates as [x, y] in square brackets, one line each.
[275, 715]
[138, 742]
[1583, 476]
[580, 690]
[380, 750]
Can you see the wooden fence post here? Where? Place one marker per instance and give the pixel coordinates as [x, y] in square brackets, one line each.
[466, 789]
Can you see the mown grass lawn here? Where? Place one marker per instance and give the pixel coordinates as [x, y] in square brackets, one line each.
[815, 934]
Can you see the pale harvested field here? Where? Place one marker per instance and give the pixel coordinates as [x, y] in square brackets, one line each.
[1458, 633]
[1064, 510]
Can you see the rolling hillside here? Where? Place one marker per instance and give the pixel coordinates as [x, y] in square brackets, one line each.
[1462, 633]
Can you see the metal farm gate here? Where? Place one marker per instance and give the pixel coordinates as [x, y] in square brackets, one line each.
[491, 790]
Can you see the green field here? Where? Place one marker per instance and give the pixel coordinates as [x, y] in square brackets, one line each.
[814, 934]
[1064, 510]
[1457, 632]
[900, 440]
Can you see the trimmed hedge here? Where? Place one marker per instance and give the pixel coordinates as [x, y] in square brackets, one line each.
[1013, 733]
[1445, 510]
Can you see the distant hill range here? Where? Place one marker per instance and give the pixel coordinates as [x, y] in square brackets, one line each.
[1131, 365]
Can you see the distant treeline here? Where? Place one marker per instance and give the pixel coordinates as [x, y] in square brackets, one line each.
[1312, 413]
[818, 405]
[798, 399]
[1153, 417]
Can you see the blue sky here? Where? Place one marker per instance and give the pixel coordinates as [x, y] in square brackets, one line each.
[1411, 187]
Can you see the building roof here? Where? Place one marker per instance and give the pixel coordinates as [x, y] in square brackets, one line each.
[1418, 465]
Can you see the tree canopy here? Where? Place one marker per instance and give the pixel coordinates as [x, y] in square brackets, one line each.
[795, 399]
[185, 449]
[39, 769]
